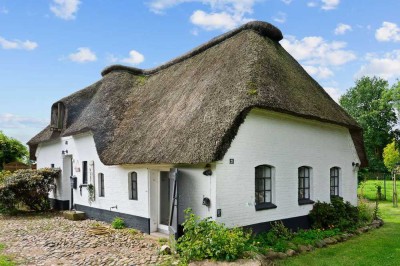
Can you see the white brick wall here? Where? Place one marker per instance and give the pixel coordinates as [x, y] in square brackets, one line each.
[193, 186]
[286, 143]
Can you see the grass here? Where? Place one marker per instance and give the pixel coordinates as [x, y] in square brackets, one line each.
[378, 247]
[368, 189]
[5, 260]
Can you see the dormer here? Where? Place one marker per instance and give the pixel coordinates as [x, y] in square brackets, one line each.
[57, 116]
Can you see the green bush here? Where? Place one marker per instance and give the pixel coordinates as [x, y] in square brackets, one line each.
[337, 214]
[365, 211]
[280, 230]
[29, 188]
[118, 223]
[3, 176]
[207, 239]
[280, 238]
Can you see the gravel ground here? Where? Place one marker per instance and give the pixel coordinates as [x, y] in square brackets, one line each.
[52, 240]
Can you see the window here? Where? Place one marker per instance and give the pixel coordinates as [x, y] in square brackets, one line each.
[304, 174]
[263, 187]
[57, 116]
[84, 172]
[133, 191]
[335, 181]
[101, 185]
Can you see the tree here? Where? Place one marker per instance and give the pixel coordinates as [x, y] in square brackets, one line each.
[391, 155]
[372, 104]
[11, 150]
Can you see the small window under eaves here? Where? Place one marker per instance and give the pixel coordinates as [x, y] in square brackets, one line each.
[57, 116]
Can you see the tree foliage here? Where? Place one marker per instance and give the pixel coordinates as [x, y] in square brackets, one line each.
[11, 150]
[391, 155]
[372, 104]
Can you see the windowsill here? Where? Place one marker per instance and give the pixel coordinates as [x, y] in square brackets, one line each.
[265, 206]
[305, 201]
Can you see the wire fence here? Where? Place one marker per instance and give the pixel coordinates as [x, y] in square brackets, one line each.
[379, 186]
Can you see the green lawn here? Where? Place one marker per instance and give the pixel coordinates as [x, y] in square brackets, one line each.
[5, 260]
[369, 189]
[378, 247]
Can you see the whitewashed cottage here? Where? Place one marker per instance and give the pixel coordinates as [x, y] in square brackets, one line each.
[235, 129]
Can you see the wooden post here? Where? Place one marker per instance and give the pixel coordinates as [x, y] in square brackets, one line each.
[396, 170]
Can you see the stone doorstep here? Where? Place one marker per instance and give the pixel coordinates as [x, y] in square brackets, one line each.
[74, 215]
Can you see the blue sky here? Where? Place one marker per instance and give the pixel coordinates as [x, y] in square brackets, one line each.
[51, 48]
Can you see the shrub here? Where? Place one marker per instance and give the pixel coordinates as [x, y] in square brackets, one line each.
[3, 176]
[280, 230]
[337, 214]
[207, 239]
[365, 211]
[29, 188]
[118, 223]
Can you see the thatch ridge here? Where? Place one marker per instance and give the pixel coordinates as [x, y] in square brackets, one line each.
[263, 28]
[190, 111]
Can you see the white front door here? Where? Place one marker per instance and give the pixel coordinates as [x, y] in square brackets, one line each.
[164, 202]
[65, 189]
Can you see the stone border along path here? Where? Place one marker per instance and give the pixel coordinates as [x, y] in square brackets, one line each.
[49, 239]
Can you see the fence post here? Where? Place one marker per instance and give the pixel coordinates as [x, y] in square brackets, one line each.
[384, 184]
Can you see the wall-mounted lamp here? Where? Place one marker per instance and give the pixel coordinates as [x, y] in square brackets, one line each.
[207, 171]
[355, 165]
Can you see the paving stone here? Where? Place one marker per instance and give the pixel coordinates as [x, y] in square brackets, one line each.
[53, 240]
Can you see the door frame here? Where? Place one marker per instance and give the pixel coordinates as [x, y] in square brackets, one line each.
[154, 200]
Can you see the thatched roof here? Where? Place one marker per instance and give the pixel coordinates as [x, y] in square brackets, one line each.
[189, 110]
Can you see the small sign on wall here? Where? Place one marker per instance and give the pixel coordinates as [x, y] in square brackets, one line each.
[219, 212]
[232, 161]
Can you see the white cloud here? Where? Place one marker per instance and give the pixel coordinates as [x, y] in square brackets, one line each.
[288, 2]
[214, 21]
[320, 72]
[386, 66]
[342, 29]
[315, 50]
[388, 32]
[280, 17]
[65, 9]
[324, 4]
[17, 44]
[83, 55]
[158, 6]
[223, 14]
[330, 4]
[318, 56]
[135, 58]
[334, 93]
[14, 121]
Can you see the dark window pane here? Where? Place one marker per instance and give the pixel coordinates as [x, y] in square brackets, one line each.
[84, 172]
